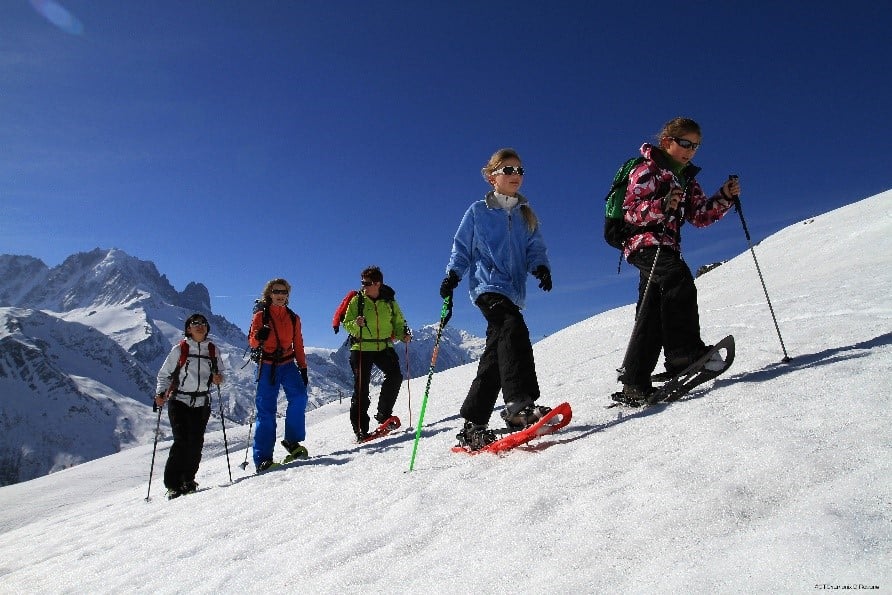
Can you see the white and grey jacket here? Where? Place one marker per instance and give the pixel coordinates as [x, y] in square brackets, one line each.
[195, 375]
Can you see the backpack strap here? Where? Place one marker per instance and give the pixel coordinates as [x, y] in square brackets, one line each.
[175, 375]
[184, 355]
[360, 307]
[212, 352]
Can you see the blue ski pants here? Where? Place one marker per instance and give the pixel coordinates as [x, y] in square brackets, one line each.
[286, 376]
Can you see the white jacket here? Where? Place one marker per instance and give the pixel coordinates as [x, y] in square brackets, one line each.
[195, 375]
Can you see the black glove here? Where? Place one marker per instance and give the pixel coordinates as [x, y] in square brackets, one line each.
[262, 334]
[449, 283]
[305, 376]
[544, 276]
[336, 329]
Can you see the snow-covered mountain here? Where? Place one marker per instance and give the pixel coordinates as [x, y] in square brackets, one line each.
[775, 478]
[66, 395]
[81, 343]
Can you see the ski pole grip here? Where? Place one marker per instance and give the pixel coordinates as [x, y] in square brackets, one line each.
[735, 197]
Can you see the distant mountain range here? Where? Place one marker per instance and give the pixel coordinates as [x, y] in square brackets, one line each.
[81, 344]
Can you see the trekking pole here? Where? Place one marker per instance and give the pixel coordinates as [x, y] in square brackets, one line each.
[244, 465]
[225, 442]
[154, 448]
[650, 277]
[409, 384]
[430, 375]
[359, 383]
[749, 242]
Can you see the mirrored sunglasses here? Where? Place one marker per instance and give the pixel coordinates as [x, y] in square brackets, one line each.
[685, 143]
[198, 323]
[509, 170]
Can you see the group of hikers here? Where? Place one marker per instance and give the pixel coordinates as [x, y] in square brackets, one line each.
[497, 244]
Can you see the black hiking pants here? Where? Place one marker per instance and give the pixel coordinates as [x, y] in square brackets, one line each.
[188, 425]
[361, 362]
[667, 317]
[506, 364]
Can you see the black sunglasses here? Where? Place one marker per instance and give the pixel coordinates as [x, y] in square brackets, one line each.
[509, 170]
[685, 143]
[279, 291]
[367, 283]
[198, 323]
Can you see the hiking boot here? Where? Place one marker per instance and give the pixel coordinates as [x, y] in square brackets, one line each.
[189, 487]
[662, 376]
[677, 365]
[525, 417]
[361, 435]
[172, 493]
[264, 465]
[475, 436]
[295, 451]
[381, 418]
[634, 393]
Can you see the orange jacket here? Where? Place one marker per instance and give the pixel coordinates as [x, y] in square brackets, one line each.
[289, 336]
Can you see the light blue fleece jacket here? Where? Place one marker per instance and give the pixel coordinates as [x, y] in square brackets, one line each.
[498, 249]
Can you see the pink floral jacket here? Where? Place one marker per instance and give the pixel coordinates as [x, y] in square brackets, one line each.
[650, 183]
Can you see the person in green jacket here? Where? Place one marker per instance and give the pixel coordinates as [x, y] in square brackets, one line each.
[374, 320]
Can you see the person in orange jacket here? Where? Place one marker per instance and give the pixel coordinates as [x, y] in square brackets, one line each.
[276, 333]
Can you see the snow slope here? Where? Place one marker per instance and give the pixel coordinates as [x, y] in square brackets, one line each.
[776, 479]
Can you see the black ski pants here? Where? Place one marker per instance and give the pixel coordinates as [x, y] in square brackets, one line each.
[361, 362]
[188, 425]
[667, 317]
[506, 364]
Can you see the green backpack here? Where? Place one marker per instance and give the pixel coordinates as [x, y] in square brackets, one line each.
[616, 230]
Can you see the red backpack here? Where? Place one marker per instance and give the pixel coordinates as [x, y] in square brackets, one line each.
[338, 317]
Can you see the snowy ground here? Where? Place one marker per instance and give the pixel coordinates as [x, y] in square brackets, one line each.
[777, 479]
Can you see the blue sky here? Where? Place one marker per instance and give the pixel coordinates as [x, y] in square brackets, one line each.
[233, 142]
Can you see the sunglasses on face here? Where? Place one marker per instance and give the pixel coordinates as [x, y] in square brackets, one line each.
[685, 143]
[367, 283]
[509, 170]
[198, 323]
[279, 292]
